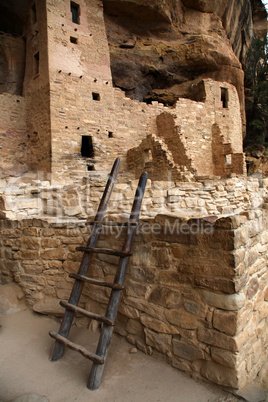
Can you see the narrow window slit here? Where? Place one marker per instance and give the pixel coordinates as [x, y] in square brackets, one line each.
[33, 14]
[75, 10]
[36, 63]
[224, 97]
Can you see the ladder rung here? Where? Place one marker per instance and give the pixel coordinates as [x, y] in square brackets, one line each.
[86, 313]
[93, 281]
[111, 223]
[81, 349]
[117, 253]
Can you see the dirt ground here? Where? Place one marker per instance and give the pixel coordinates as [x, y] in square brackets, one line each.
[25, 368]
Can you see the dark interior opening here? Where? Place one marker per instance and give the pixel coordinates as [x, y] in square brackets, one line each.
[224, 97]
[90, 168]
[73, 40]
[33, 12]
[87, 146]
[95, 96]
[36, 63]
[75, 10]
[110, 134]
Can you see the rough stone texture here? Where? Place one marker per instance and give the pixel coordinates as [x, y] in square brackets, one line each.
[11, 298]
[205, 197]
[206, 332]
[220, 374]
[176, 47]
[161, 64]
[196, 289]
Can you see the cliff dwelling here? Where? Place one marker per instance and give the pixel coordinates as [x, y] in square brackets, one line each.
[160, 85]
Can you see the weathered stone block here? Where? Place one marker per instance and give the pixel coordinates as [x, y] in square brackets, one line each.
[31, 243]
[252, 288]
[223, 284]
[36, 232]
[50, 243]
[224, 357]
[128, 311]
[219, 374]
[54, 254]
[241, 237]
[161, 342]
[27, 255]
[181, 318]
[168, 278]
[185, 351]
[225, 321]
[185, 366]
[136, 289]
[165, 297]
[215, 338]
[195, 308]
[49, 306]
[158, 326]
[225, 301]
[135, 327]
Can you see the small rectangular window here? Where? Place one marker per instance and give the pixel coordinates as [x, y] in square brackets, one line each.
[73, 40]
[36, 63]
[87, 146]
[75, 10]
[224, 97]
[95, 96]
[33, 13]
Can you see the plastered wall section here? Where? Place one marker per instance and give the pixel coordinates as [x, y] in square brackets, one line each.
[195, 295]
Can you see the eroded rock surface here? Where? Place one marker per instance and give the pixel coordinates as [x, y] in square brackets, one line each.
[158, 49]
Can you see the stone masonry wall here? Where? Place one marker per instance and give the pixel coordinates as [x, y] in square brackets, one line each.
[196, 292]
[13, 136]
[20, 200]
[85, 104]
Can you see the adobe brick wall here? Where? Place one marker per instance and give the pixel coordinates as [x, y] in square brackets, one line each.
[195, 294]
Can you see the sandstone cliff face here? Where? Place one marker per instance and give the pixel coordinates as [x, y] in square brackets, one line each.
[159, 48]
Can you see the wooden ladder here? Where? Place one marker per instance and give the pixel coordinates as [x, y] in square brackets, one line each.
[117, 286]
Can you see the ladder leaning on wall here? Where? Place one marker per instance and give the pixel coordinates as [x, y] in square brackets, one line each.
[71, 307]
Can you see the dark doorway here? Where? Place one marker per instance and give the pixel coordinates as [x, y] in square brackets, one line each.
[224, 97]
[75, 10]
[87, 146]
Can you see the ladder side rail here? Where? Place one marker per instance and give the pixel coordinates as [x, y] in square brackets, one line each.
[84, 266]
[111, 312]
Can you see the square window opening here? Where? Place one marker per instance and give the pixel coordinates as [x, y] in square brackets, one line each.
[224, 97]
[36, 63]
[90, 168]
[110, 134]
[73, 40]
[75, 10]
[95, 96]
[87, 149]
